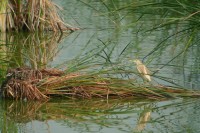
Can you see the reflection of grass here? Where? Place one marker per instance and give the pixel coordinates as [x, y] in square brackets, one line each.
[120, 114]
[34, 50]
[72, 113]
[75, 110]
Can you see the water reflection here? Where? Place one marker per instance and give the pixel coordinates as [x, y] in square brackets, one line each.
[101, 116]
[35, 50]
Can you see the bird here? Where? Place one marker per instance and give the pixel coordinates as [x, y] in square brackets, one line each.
[143, 70]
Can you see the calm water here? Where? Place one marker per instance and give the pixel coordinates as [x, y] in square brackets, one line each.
[123, 38]
[180, 115]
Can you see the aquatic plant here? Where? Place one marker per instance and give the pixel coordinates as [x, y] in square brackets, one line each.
[26, 83]
[29, 15]
[104, 83]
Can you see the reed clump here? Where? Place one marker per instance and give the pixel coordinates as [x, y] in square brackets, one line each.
[31, 15]
[26, 83]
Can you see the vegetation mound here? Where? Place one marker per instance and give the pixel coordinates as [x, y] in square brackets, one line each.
[26, 83]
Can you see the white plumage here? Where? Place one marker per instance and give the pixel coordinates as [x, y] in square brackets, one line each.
[142, 69]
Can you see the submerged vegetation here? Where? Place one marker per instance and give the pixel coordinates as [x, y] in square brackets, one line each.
[31, 15]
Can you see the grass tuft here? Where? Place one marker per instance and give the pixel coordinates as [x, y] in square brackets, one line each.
[26, 83]
[31, 15]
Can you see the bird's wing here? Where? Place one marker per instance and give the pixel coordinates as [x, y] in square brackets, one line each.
[144, 71]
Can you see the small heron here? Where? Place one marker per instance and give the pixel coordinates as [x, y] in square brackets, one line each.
[142, 69]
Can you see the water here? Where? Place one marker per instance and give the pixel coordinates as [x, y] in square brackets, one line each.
[122, 39]
[180, 115]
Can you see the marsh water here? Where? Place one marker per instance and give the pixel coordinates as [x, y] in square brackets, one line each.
[109, 33]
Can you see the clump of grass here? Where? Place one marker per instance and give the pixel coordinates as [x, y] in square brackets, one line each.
[37, 15]
[26, 83]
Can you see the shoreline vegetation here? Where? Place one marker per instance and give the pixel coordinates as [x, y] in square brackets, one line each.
[32, 16]
[43, 84]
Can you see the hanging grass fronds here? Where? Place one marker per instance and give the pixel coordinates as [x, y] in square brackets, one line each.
[3, 11]
[37, 15]
[26, 83]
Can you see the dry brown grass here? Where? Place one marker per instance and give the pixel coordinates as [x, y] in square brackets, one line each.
[31, 15]
[26, 83]
[21, 84]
